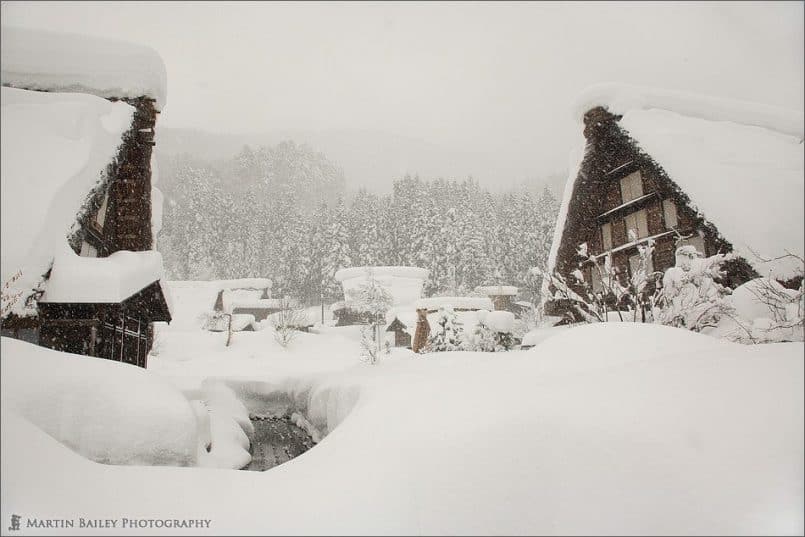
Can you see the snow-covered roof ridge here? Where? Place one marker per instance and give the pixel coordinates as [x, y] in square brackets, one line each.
[622, 98]
[63, 62]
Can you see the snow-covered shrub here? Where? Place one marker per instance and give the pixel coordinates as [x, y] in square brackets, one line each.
[493, 332]
[287, 322]
[691, 296]
[448, 334]
[764, 312]
[371, 346]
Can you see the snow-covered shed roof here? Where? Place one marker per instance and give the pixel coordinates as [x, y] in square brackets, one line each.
[101, 280]
[496, 290]
[55, 149]
[741, 165]
[62, 62]
[456, 302]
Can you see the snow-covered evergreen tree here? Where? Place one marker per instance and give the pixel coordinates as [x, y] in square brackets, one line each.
[448, 333]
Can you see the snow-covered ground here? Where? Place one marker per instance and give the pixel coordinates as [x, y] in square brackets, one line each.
[607, 428]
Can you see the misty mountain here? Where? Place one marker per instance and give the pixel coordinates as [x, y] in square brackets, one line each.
[371, 159]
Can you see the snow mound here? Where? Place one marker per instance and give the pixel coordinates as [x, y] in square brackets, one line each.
[499, 321]
[62, 62]
[588, 347]
[111, 279]
[761, 298]
[622, 98]
[59, 150]
[107, 411]
[538, 335]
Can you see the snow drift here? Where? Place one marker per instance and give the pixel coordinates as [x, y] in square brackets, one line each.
[107, 411]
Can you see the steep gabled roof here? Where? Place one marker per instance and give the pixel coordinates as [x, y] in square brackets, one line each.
[741, 165]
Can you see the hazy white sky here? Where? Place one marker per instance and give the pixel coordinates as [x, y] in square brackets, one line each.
[492, 78]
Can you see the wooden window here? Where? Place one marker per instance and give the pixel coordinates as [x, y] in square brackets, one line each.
[636, 223]
[100, 217]
[669, 211]
[606, 233]
[88, 250]
[631, 187]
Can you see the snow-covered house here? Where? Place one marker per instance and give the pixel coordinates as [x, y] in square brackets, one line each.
[682, 169]
[404, 284]
[247, 296]
[78, 222]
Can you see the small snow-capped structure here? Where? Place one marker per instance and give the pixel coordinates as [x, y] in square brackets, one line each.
[502, 296]
[682, 169]
[404, 284]
[76, 188]
[250, 296]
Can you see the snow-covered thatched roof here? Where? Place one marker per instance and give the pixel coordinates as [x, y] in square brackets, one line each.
[55, 147]
[61, 62]
[741, 165]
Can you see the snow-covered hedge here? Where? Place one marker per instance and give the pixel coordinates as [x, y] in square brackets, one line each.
[107, 411]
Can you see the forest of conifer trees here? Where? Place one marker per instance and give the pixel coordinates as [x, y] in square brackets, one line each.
[282, 213]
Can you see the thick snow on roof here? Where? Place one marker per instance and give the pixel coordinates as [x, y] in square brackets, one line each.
[622, 98]
[456, 302]
[112, 279]
[740, 163]
[403, 283]
[377, 272]
[242, 283]
[55, 61]
[55, 148]
[497, 290]
[748, 181]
